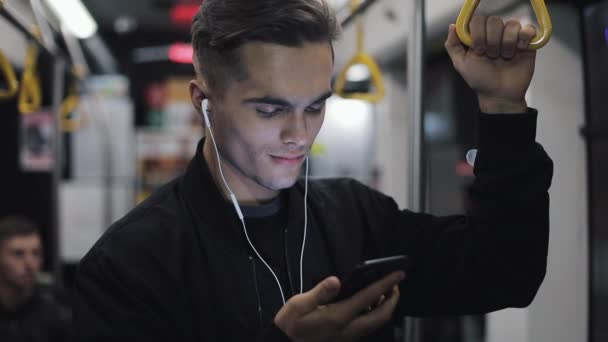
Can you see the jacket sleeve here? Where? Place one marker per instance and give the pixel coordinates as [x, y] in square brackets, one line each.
[495, 256]
[114, 301]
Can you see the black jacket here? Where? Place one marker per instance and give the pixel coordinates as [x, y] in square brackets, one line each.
[177, 268]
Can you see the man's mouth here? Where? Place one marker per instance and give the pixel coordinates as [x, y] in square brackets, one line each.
[288, 160]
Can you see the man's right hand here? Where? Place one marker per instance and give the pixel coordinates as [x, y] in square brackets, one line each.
[308, 316]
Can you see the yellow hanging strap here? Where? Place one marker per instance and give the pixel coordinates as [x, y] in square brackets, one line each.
[69, 104]
[70, 123]
[12, 85]
[30, 96]
[542, 15]
[361, 58]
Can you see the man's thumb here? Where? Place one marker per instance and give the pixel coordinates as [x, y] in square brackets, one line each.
[326, 290]
[454, 46]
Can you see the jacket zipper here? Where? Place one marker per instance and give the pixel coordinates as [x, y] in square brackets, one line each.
[289, 277]
[257, 291]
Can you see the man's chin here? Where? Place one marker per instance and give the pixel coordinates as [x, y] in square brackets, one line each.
[284, 183]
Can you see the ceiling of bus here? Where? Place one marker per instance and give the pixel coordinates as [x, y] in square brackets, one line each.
[149, 15]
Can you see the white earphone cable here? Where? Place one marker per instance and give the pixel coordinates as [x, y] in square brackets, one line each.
[219, 163]
[305, 225]
[263, 261]
[242, 219]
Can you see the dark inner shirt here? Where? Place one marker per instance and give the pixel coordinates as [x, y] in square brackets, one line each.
[266, 226]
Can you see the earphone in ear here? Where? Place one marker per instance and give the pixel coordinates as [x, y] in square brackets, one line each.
[235, 203]
[204, 107]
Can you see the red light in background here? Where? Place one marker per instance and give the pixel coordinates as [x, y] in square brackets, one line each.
[181, 53]
[182, 14]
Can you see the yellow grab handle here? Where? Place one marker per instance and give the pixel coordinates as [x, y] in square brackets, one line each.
[542, 15]
[361, 58]
[12, 85]
[376, 78]
[30, 96]
[69, 104]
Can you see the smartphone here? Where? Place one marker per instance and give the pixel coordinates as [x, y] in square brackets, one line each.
[370, 271]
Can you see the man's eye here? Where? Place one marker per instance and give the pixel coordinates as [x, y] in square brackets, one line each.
[315, 108]
[268, 111]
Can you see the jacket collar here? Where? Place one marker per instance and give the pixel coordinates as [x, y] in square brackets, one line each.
[213, 215]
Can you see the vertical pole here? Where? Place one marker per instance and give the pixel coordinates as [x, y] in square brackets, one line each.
[415, 81]
[109, 168]
[57, 93]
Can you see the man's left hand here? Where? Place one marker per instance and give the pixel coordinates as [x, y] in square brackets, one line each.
[498, 67]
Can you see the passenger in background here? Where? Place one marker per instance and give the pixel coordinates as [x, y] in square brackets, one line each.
[27, 312]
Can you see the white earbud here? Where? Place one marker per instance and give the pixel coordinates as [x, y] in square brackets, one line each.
[204, 106]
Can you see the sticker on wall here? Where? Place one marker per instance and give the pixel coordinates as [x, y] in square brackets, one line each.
[37, 141]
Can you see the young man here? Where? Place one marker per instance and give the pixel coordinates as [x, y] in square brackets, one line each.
[183, 266]
[26, 314]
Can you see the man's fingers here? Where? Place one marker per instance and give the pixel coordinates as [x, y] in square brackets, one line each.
[307, 311]
[367, 297]
[368, 323]
[321, 294]
[525, 36]
[454, 47]
[494, 30]
[477, 26]
[307, 302]
[510, 38]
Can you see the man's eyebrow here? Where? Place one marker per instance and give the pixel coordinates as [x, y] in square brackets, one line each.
[268, 100]
[282, 102]
[323, 97]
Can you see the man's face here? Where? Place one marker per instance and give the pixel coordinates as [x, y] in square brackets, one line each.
[265, 125]
[20, 261]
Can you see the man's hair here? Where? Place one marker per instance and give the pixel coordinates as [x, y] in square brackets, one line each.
[12, 226]
[221, 27]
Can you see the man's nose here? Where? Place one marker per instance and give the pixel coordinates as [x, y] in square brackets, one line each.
[296, 131]
[32, 263]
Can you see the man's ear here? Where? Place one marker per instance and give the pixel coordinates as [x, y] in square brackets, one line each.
[197, 94]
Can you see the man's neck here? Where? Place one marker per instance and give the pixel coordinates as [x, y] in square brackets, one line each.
[246, 190]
